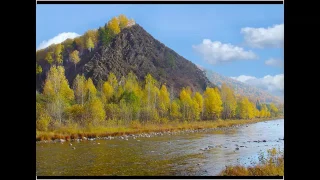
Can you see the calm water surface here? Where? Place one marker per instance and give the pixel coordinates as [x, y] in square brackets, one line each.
[187, 154]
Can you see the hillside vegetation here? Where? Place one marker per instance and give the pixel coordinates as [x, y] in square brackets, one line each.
[121, 46]
[95, 101]
[243, 89]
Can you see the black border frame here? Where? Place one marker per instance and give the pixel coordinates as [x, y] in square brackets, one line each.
[161, 177]
[160, 2]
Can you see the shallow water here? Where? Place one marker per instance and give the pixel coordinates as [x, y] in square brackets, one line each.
[187, 154]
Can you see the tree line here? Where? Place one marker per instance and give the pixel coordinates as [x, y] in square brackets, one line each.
[126, 100]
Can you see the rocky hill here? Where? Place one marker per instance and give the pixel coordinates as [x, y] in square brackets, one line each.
[133, 49]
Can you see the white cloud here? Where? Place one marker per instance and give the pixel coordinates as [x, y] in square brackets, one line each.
[274, 62]
[217, 52]
[264, 37]
[272, 84]
[57, 39]
[243, 78]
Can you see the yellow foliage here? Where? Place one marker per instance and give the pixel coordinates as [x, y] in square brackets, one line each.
[93, 36]
[273, 165]
[96, 112]
[123, 21]
[49, 58]
[79, 87]
[43, 122]
[56, 84]
[112, 80]
[89, 44]
[108, 91]
[91, 89]
[164, 100]
[38, 69]
[58, 53]
[229, 101]
[113, 25]
[175, 110]
[212, 102]
[74, 57]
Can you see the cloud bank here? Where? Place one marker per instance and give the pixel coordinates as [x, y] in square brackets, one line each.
[272, 84]
[271, 37]
[57, 39]
[217, 52]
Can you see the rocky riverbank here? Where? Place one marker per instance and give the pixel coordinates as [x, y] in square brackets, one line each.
[129, 136]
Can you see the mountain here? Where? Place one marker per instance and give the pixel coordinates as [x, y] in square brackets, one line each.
[133, 49]
[243, 89]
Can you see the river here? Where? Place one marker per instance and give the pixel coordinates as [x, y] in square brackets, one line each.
[185, 154]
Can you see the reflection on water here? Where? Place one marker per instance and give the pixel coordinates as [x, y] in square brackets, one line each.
[201, 154]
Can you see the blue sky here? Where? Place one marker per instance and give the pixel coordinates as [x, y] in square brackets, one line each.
[243, 52]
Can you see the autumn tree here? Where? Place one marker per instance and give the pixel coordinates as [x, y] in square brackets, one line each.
[74, 57]
[273, 110]
[93, 35]
[91, 90]
[58, 54]
[57, 91]
[112, 80]
[186, 102]
[113, 25]
[107, 91]
[49, 57]
[95, 111]
[229, 102]
[132, 94]
[151, 95]
[131, 83]
[42, 117]
[38, 69]
[164, 101]
[89, 44]
[80, 89]
[246, 109]
[130, 105]
[212, 103]
[198, 105]
[76, 113]
[175, 112]
[123, 21]
[264, 111]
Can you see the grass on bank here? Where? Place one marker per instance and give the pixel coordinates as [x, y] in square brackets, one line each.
[272, 165]
[112, 129]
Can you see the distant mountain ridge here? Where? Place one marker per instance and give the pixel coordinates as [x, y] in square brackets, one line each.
[242, 89]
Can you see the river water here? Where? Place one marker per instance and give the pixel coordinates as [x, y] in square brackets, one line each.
[187, 154]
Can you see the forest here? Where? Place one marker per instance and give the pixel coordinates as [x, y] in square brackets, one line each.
[126, 100]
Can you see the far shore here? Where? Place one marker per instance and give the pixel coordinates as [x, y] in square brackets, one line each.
[147, 130]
